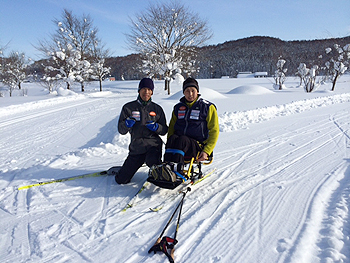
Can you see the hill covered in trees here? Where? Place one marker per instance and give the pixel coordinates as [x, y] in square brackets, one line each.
[257, 53]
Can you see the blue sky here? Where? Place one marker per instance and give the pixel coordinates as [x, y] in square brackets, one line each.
[24, 22]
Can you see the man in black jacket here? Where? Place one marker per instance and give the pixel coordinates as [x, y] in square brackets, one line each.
[145, 121]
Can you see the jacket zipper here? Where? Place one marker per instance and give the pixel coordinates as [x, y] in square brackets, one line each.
[186, 119]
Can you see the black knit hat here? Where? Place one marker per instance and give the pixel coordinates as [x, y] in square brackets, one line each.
[190, 82]
[146, 83]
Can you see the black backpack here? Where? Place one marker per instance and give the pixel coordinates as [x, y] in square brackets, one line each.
[163, 176]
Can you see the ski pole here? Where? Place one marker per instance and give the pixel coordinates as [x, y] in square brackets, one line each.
[172, 216]
[177, 226]
[163, 243]
[179, 215]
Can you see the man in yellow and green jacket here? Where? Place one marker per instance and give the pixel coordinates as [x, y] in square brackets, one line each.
[193, 128]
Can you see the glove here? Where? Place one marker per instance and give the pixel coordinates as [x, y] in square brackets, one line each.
[129, 122]
[151, 125]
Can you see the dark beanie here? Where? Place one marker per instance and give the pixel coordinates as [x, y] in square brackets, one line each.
[190, 82]
[146, 83]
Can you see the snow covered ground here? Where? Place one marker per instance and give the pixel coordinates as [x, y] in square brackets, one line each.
[280, 192]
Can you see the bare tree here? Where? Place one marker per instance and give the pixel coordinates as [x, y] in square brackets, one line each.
[166, 34]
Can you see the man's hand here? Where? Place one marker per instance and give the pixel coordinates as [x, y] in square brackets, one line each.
[152, 126]
[202, 157]
[129, 122]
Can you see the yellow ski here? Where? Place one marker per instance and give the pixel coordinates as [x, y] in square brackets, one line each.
[64, 179]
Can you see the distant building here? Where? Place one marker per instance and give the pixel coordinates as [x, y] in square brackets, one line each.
[111, 78]
[262, 74]
[248, 74]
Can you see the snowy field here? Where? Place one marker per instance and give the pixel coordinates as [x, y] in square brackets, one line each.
[280, 192]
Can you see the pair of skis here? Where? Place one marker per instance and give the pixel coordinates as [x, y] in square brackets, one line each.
[133, 201]
[111, 171]
[163, 243]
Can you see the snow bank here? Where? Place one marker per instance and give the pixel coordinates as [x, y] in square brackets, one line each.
[101, 94]
[39, 104]
[250, 89]
[230, 121]
[206, 93]
[64, 92]
[75, 159]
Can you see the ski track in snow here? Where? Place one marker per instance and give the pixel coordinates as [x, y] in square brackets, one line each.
[260, 205]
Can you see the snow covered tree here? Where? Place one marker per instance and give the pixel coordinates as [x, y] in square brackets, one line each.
[310, 79]
[65, 61]
[50, 80]
[189, 65]
[2, 50]
[99, 70]
[164, 35]
[1, 62]
[302, 72]
[83, 71]
[307, 76]
[337, 62]
[1, 57]
[13, 70]
[71, 47]
[280, 74]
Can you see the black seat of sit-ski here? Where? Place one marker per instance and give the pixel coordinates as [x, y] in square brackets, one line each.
[164, 177]
[165, 184]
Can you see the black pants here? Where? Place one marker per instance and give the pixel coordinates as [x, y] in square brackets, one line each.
[187, 145]
[134, 161]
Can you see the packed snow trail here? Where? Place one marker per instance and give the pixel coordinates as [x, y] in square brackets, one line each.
[71, 125]
[280, 192]
[246, 207]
